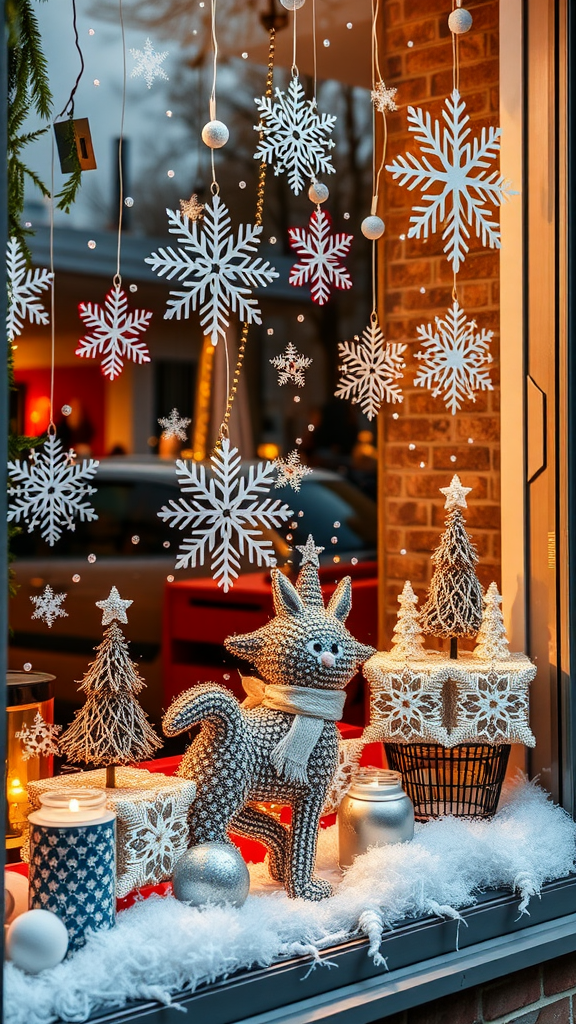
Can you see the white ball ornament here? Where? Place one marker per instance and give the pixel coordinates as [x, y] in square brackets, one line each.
[292, 5]
[36, 941]
[460, 21]
[215, 134]
[211, 873]
[318, 192]
[372, 227]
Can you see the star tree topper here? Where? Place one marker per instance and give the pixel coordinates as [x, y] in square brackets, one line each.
[369, 370]
[309, 552]
[449, 175]
[320, 254]
[24, 287]
[113, 608]
[455, 494]
[454, 358]
[114, 332]
[149, 64]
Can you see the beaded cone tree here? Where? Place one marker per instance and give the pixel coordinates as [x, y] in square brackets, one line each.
[408, 641]
[454, 604]
[111, 728]
[491, 641]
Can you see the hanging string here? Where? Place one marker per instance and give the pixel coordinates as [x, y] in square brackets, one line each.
[214, 188]
[52, 425]
[376, 171]
[455, 87]
[314, 50]
[117, 276]
[294, 65]
[69, 106]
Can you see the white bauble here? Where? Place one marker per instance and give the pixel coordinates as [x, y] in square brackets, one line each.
[215, 134]
[17, 886]
[372, 227]
[36, 941]
[292, 5]
[211, 873]
[318, 192]
[460, 21]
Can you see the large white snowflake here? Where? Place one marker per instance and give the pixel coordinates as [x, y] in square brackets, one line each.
[24, 287]
[291, 471]
[218, 272]
[115, 332]
[175, 425]
[369, 369]
[47, 606]
[149, 64]
[291, 365]
[49, 488]
[451, 176]
[38, 739]
[227, 514]
[454, 359]
[321, 253]
[294, 136]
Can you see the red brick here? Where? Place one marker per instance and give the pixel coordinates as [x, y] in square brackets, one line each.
[460, 1008]
[406, 567]
[481, 428]
[514, 992]
[402, 456]
[416, 9]
[427, 485]
[559, 975]
[485, 517]
[555, 1013]
[410, 272]
[393, 13]
[408, 513]
[423, 32]
[480, 265]
[422, 540]
[471, 456]
[419, 429]
[393, 485]
[429, 58]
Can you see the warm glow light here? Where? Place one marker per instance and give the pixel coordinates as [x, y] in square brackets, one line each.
[268, 451]
[73, 805]
[16, 787]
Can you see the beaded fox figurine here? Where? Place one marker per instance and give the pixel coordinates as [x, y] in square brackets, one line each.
[281, 744]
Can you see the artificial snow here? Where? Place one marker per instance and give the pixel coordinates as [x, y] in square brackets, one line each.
[160, 947]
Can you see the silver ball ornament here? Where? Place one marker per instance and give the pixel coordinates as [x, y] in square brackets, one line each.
[372, 227]
[292, 5]
[36, 941]
[215, 134]
[211, 873]
[459, 21]
[318, 192]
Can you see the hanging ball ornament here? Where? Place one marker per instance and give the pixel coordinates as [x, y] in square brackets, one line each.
[372, 227]
[211, 873]
[215, 134]
[318, 192]
[460, 21]
[36, 941]
[292, 5]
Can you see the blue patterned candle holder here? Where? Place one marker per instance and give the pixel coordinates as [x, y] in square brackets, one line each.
[73, 860]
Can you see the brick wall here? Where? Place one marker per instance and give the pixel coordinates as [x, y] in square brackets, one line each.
[538, 995]
[423, 443]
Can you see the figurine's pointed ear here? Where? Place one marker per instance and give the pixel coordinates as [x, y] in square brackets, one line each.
[286, 598]
[363, 652]
[246, 645]
[341, 601]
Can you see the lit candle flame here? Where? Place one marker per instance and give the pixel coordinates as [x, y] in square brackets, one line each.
[73, 805]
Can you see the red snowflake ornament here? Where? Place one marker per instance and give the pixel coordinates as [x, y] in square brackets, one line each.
[320, 254]
[114, 332]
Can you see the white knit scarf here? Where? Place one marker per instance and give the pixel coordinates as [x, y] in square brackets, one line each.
[310, 707]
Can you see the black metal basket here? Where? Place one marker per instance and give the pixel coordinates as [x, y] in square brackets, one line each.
[464, 780]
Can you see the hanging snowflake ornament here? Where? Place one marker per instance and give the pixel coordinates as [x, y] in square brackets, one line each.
[383, 98]
[115, 333]
[175, 425]
[48, 490]
[39, 739]
[218, 272]
[454, 358]
[320, 254]
[456, 173]
[47, 606]
[291, 366]
[227, 513]
[24, 287]
[291, 471]
[369, 370]
[294, 137]
[192, 208]
[149, 64]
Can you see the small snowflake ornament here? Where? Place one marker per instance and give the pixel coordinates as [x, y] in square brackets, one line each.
[113, 608]
[291, 471]
[48, 490]
[115, 333]
[295, 138]
[175, 425]
[456, 175]
[39, 739]
[321, 253]
[383, 97]
[47, 606]
[369, 370]
[24, 287]
[291, 366]
[149, 64]
[218, 272]
[454, 359]
[227, 513]
[192, 208]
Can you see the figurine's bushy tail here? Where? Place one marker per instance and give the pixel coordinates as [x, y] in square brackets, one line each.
[206, 702]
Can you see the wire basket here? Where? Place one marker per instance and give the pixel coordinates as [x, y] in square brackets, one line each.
[464, 781]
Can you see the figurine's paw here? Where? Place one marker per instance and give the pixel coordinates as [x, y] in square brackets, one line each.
[276, 867]
[316, 889]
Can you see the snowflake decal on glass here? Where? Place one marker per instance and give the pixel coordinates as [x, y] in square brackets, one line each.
[295, 138]
[149, 64]
[454, 358]
[383, 98]
[47, 606]
[218, 272]
[39, 739]
[227, 513]
[48, 490]
[24, 287]
[450, 176]
[114, 333]
[175, 425]
[291, 366]
[320, 254]
[291, 471]
[369, 370]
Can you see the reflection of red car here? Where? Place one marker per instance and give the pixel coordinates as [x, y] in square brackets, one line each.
[198, 617]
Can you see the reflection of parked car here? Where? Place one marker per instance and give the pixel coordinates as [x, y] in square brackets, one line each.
[135, 551]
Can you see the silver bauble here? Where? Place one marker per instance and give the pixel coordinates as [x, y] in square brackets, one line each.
[211, 873]
[215, 134]
[292, 5]
[318, 192]
[460, 21]
[372, 227]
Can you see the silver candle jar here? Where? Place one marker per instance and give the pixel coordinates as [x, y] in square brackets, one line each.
[375, 811]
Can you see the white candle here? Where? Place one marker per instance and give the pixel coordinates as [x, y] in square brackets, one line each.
[73, 807]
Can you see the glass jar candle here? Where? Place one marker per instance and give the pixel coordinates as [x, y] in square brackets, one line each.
[30, 694]
[375, 811]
